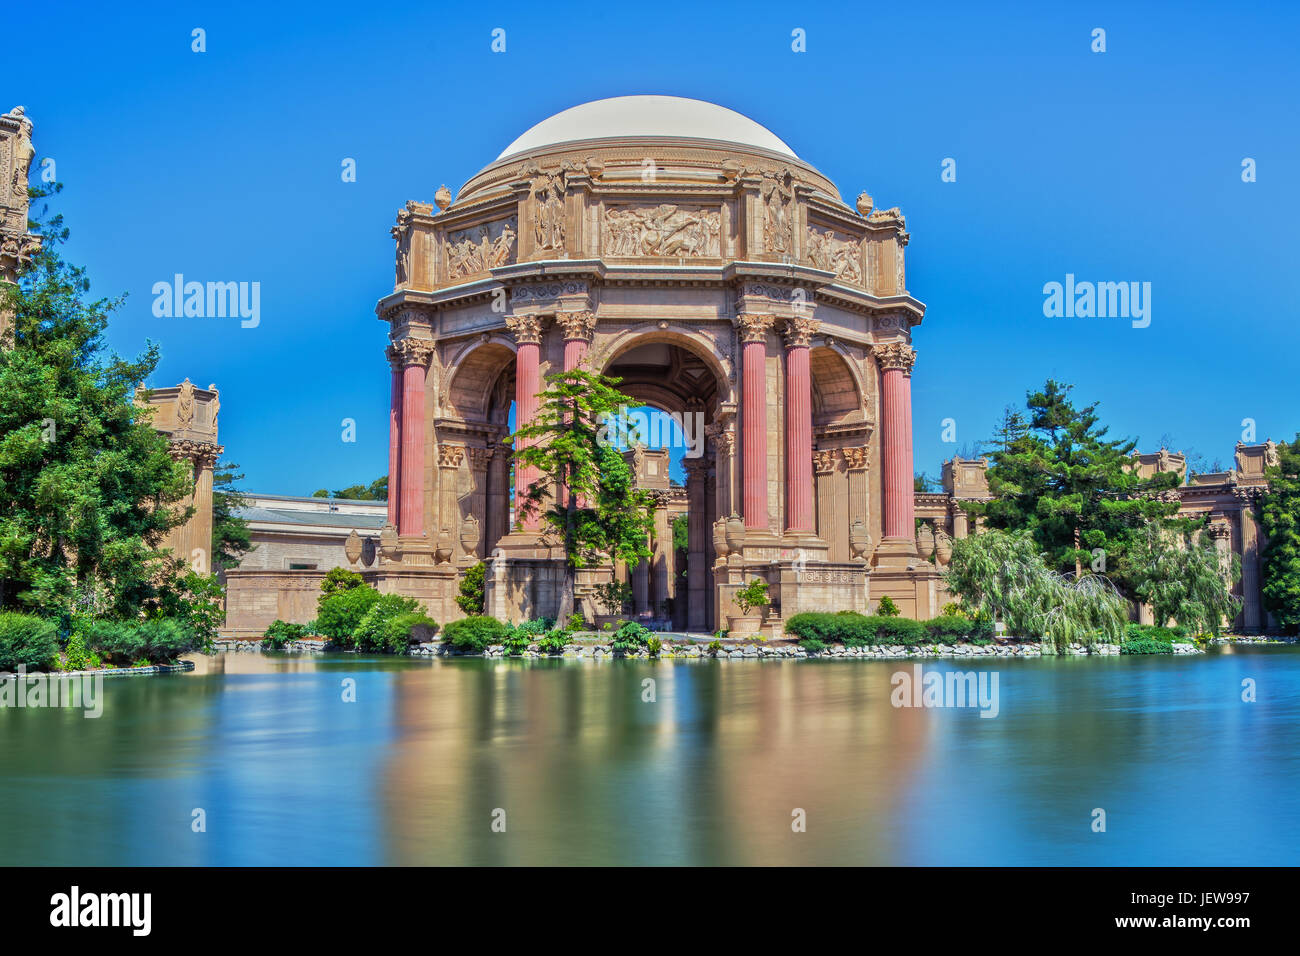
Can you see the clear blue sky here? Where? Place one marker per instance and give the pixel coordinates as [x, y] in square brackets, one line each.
[1117, 166]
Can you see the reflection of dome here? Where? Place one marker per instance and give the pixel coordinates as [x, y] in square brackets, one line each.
[648, 116]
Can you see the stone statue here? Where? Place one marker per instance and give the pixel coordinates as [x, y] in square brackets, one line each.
[185, 405]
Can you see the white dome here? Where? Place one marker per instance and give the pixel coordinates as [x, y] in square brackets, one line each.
[639, 116]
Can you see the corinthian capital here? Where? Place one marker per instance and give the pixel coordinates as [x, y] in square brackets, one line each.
[410, 351]
[526, 327]
[799, 331]
[576, 325]
[754, 326]
[896, 355]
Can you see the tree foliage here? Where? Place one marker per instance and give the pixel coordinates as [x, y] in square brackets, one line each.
[1280, 522]
[604, 516]
[1003, 575]
[377, 490]
[87, 486]
[1056, 475]
[1186, 579]
[230, 536]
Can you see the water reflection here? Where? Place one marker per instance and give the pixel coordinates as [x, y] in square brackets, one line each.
[588, 772]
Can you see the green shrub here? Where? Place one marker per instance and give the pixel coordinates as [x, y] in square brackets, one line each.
[339, 613]
[654, 646]
[339, 580]
[380, 628]
[1146, 645]
[471, 596]
[715, 646]
[812, 645]
[554, 640]
[475, 633]
[160, 640]
[815, 625]
[948, 629]
[899, 630]
[279, 633]
[887, 607]
[78, 655]
[27, 641]
[630, 637]
[752, 595]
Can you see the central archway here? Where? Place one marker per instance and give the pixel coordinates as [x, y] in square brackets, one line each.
[680, 386]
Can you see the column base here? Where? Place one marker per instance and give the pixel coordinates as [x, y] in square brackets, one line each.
[897, 554]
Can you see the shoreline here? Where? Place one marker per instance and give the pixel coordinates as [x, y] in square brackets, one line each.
[762, 650]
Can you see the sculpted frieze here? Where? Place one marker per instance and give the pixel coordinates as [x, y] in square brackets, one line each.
[481, 247]
[777, 192]
[841, 255]
[664, 230]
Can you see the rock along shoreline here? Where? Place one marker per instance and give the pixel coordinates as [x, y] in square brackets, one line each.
[759, 650]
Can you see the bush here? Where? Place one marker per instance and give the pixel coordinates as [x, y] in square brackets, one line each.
[339, 580]
[654, 646]
[471, 596]
[280, 633]
[159, 640]
[554, 641]
[340, 613]
[373, 633]
[812, 645]
[887, 607]
[899, 630]
[27, 641]
[948, 629]
[78, 655]
[1146, 645]
[475, 633]
[630, 637]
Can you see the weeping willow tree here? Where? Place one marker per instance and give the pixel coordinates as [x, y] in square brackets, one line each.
[1003, 574]
[1185, 578]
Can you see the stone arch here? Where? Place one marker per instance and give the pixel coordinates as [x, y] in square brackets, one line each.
[837, 391]
[708, 349]
[474, 389]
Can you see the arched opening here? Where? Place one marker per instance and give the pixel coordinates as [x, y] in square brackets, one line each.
[677, 394]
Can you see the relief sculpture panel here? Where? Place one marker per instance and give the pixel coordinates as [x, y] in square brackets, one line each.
[481, 247]
[664, 230]
[841, 255]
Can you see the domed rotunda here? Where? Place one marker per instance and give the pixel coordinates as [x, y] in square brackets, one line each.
[688, 250]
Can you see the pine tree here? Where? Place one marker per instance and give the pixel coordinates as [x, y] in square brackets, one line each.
[86, 483]
[1280, 522]
[1055, 473]
[604, 516]
[230, 536]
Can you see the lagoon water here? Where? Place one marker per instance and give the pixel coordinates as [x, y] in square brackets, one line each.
[586, 772]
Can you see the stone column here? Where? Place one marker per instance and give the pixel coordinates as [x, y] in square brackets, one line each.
[527, 330]
[498, 498]
[799, 516]
[641, 587]
[394, 437]
[754, 329]
[578, 330]
[415, 356]
[480, 459]
[1252, 618]
[663, 553]
[697, 544]
[896, 362]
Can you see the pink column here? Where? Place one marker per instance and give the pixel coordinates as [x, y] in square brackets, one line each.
[753, 423]
[896, 362]
[394, 439]
[528, 357]
[799, 515]
[415, 355]
[578, 329]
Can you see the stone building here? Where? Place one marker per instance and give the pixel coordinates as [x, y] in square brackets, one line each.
[188, 417]
[688, 250]
[17, 245]
[1230, 500]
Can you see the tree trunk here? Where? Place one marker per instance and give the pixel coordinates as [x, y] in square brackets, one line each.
[566, 595]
